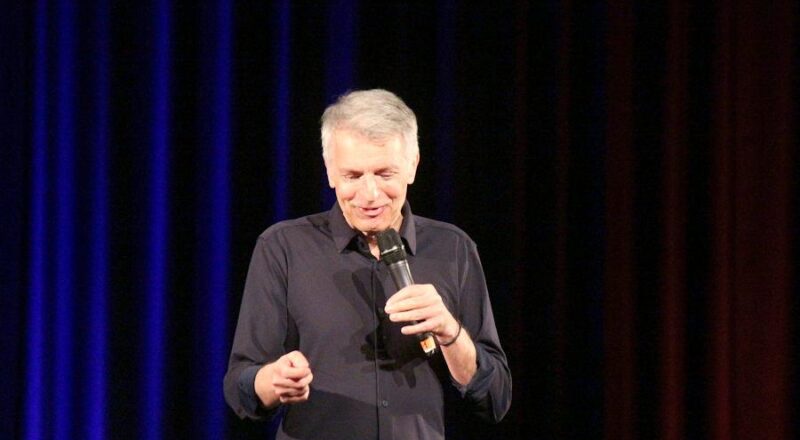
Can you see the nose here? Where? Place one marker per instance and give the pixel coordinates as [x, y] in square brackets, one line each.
[370, 187]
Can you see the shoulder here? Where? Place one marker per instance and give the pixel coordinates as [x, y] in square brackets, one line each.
[305, 226]
[442, 232]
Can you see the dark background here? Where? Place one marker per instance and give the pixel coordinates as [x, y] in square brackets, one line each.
[627, 169]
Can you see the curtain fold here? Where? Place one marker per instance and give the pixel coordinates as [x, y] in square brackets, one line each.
[754, 179]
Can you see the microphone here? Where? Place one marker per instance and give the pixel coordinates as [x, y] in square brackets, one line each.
[393, 254]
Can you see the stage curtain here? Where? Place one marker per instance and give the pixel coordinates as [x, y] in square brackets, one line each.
[628, 170]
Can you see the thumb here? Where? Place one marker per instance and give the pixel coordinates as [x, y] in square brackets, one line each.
[297, 360]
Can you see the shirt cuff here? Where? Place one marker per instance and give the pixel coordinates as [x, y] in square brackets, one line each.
[250, 403]
[479, 384]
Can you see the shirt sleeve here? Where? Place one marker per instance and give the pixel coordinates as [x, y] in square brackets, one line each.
[262, 327]
[489, 391]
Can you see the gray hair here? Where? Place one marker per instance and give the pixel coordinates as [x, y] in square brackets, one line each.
[376, 114]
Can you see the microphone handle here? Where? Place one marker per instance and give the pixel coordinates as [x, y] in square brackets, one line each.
[401, 274]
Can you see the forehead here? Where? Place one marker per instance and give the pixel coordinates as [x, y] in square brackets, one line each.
[351, 149]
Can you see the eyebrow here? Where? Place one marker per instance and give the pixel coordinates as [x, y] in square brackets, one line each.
[345, 170]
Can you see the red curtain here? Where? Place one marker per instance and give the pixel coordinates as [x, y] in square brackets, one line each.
[729, 376]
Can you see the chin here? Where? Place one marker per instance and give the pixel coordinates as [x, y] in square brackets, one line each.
[373, 228]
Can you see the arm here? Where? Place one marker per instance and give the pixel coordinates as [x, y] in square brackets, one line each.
[490, 388]
[422, 303]
[475, 360]
[261, 335]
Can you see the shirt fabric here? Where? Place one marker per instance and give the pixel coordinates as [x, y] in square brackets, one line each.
[313, 286]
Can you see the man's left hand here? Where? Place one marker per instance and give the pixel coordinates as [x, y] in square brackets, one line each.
[422, 303]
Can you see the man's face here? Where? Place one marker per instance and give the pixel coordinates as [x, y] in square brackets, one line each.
[370, 180]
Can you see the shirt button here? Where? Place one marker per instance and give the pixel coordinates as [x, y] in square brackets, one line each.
[384, 403]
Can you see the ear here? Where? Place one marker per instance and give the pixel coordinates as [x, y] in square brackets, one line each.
[412, 172]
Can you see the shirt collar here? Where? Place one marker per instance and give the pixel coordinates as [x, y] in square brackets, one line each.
[343, 234]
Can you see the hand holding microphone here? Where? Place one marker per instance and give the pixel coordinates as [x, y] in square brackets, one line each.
[419, 304]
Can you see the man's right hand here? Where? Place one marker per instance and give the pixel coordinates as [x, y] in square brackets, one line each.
[284, 381]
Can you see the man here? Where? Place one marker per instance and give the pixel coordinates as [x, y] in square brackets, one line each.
[324, 335]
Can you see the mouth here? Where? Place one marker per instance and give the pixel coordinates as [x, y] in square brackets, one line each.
[371, 212]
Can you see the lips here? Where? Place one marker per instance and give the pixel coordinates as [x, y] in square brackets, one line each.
[372, 212]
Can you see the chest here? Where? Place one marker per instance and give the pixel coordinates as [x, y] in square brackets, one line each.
[339, 298]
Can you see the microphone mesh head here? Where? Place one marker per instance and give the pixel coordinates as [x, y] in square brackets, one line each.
[391, 246]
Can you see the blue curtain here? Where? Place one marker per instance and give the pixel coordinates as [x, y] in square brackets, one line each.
[118, 187]
[99, 218]
[93, 149]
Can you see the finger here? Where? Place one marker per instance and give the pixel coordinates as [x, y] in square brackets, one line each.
[293, 374]
[292, 395]
[298, 380]
[295, 399]
[297, 359]
[296, 373]
[291, 391]
[284, 386]
[410, 315]
[305, 381]
[288, 371]
[400, 296]
[415, 329]
[416, 295]
[428, 325]
[413, 303]
[293, 365]
[420, 307]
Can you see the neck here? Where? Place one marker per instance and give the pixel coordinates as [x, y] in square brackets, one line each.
[373, 246]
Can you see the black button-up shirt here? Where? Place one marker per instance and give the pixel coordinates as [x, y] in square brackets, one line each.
[313, 286]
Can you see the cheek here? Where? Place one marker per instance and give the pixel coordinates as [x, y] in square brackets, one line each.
[394, 191]
[344, 192]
